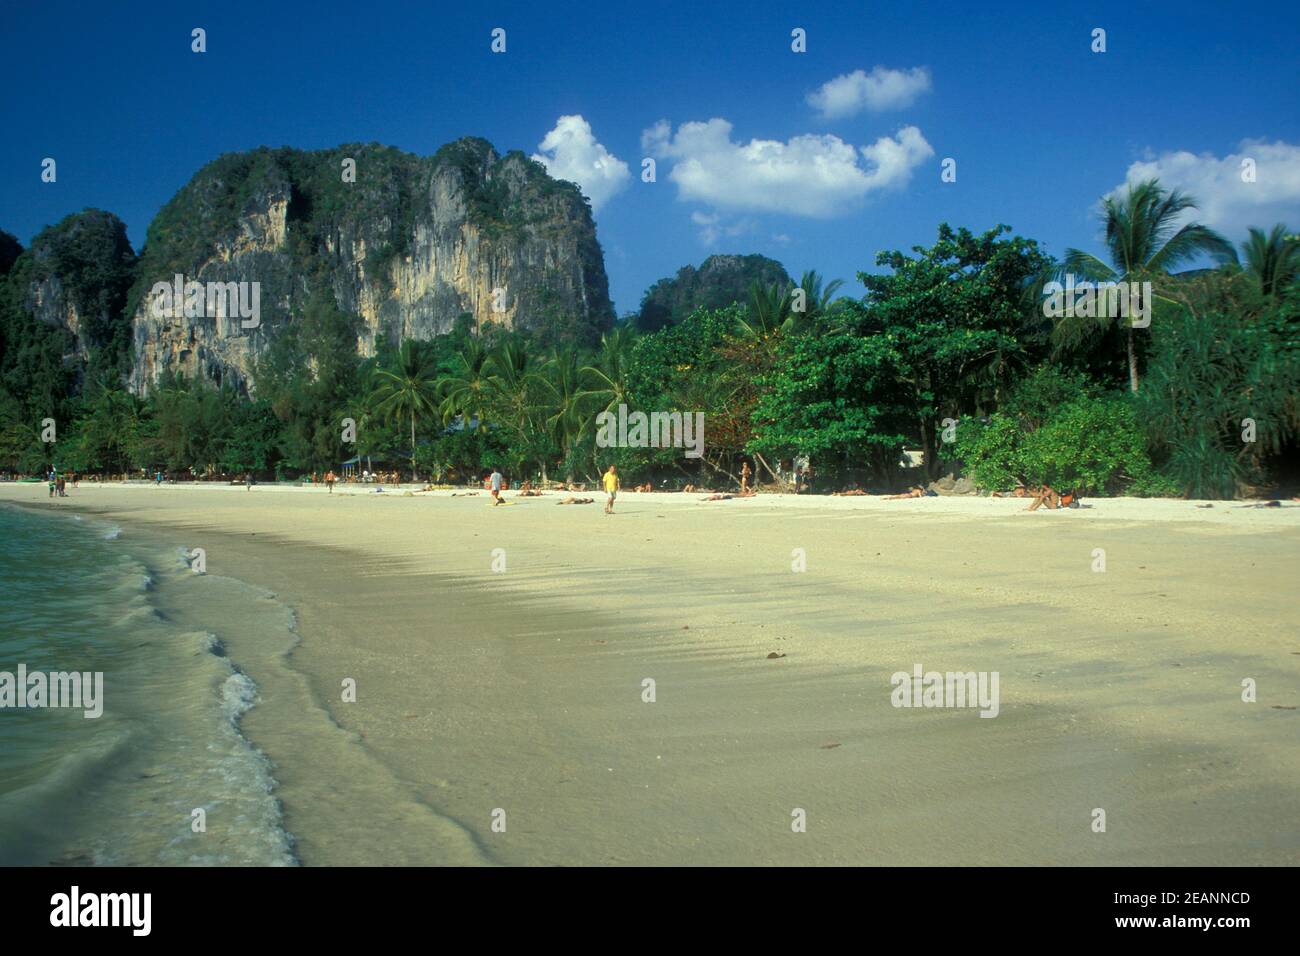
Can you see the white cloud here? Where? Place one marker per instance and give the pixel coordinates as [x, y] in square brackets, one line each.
[714, 227]
[570, 151]
[1223, 201]
[881, 89]
[814, 176]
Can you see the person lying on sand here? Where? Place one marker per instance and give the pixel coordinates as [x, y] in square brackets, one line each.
[852, 492]
[1020, 492]
[916, 491]
[575, 501]
[462, 494]
[722, 497]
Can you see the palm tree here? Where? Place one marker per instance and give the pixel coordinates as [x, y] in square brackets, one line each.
[513, 397]
[817, 300]
[363, 411]
[409, 388]
[1144, 242]
[769, 312]
[605, 381]
[561, 388]
[464, 391]
[1274, 260]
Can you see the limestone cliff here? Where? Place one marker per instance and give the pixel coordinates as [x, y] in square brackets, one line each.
[407, 245]
[68, 292]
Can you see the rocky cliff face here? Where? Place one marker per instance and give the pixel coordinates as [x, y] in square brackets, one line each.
[407, 247]
[73, 282]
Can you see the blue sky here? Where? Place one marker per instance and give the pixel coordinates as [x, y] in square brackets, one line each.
[1039, 125]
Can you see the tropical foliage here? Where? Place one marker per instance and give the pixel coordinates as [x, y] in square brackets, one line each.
[950, 352]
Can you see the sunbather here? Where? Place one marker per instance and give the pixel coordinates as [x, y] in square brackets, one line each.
[1046, 497]
[916, 491]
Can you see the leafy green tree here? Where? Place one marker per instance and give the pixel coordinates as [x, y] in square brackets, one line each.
[109, 434]
[959, 319]
[253, 441]
[1056, 429]
[832, 397]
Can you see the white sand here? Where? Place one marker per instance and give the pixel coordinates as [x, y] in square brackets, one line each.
[522, 691]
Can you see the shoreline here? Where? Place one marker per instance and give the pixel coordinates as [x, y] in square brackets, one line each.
[1244, 512]
[522, 691]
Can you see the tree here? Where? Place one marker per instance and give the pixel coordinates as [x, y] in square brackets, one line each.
[1145, 243]
[464, 391]
[957, 317]
[817, 300]
[109, 434]
[1273, 260]
[408, 388]
[832, 397]
[561, 385]
[1222, 393]
[515, 403]
[769, 313]
[605, 379]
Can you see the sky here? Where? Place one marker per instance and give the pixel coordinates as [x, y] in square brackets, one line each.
[820, 158]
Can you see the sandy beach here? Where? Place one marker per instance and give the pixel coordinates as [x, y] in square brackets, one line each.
[500, 657]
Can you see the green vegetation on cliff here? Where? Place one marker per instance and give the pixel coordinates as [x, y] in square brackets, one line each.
[951, 350]
[84, 265]
[719, 282]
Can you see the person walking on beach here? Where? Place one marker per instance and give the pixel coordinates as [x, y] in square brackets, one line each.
[745, 474]
[329, 481]
[610, 481]
[248, 481]
[54, 481]
[495, 482]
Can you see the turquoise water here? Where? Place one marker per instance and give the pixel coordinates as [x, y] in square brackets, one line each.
[122, 789]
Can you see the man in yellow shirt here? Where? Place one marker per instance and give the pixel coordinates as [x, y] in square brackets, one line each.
[610, 480]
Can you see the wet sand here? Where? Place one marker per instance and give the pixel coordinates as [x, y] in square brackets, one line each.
[522, 691]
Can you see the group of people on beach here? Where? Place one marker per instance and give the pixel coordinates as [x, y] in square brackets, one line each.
[496, 483]
[59, 483]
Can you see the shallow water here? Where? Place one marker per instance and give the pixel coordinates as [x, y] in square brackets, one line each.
[124, 788]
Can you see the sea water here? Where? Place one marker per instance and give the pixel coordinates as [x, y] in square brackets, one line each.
[164, 776]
